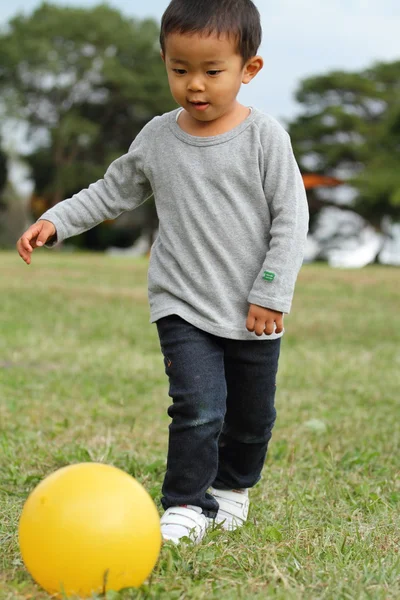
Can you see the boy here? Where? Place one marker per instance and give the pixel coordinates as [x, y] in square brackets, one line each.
[232, 227]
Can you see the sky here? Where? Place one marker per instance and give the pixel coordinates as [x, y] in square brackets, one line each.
[302, 38]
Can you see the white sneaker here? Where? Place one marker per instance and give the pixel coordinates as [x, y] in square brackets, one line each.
[184, 521]
[233, 507]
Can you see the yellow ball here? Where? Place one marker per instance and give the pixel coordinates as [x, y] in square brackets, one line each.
[88, 528]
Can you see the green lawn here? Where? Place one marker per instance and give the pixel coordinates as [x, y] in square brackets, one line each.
[82, 379]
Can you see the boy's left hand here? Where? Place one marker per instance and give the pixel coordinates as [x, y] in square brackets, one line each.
[263, 320]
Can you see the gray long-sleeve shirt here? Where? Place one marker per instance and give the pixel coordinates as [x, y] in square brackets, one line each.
[233, 219]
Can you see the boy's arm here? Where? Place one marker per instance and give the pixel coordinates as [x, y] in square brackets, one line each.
[284, 190]
[123, 187]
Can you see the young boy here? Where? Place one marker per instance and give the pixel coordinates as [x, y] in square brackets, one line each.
[232, 227]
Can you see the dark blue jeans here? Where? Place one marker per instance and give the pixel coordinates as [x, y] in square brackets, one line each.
[222, 413]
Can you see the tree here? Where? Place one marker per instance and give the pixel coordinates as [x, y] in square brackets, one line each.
[3, 173]
[85, 81]
[349, 128]
[3, 181]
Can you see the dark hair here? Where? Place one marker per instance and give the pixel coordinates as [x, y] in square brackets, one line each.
[239, 18]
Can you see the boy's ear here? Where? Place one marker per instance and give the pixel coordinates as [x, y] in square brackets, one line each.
[162, 55]
[251, 68]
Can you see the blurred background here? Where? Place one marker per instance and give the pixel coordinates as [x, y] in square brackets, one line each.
[78, 81]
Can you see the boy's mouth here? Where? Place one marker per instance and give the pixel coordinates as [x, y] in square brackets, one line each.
[200, 105]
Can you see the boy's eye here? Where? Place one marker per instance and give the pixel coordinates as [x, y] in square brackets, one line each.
[179, 71]
[213, 73]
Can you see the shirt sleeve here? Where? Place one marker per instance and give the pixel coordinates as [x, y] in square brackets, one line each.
[286, 197]
[123, 187]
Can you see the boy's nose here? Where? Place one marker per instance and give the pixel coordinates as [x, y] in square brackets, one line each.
[196, 84]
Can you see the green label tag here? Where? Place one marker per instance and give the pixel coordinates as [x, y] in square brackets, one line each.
[269, 276]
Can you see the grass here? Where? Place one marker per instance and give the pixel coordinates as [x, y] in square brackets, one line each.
[82, 379]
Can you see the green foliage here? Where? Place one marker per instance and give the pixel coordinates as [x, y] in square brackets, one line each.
[86, 81]
[350, 124]
[3, 173]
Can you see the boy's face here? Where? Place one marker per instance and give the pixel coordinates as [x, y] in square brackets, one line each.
[205, 73]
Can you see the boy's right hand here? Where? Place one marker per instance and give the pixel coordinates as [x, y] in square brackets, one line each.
[36, 236]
